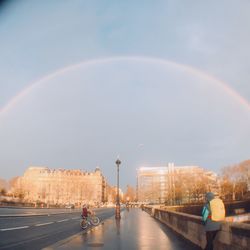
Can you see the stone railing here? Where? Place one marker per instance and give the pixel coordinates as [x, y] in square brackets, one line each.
[232, 235]
[232, 208]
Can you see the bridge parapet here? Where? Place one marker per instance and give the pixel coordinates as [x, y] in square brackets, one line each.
[232, 235]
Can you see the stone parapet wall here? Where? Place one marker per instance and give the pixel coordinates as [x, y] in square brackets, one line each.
[232, 207]
[233, 236]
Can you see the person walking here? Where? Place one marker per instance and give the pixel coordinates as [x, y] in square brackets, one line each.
[213, 213]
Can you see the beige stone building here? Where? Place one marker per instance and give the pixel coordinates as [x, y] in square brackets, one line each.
[61, 186]
[248, 179]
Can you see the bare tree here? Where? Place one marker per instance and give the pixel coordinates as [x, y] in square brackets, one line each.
[235, 180]
[130, 194]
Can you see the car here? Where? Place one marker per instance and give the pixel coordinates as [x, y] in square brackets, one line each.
[70, 206]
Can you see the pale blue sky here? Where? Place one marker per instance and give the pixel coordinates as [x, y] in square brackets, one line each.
[173, 115]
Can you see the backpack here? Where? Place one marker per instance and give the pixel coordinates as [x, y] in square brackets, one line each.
[217, 209]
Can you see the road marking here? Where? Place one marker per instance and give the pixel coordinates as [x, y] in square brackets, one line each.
[75, 218]
[13, 228]
[43, 224]
[63, 220]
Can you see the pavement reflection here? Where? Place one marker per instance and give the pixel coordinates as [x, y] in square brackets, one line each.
[118, 225]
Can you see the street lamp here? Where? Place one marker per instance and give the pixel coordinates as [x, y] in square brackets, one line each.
[117, 208]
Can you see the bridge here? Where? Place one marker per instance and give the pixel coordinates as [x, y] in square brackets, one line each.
[150, 228]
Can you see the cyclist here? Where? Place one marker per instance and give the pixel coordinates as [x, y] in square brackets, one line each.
[86, 211]
[88, 218]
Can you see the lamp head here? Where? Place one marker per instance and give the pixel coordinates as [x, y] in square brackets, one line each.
[118, 162]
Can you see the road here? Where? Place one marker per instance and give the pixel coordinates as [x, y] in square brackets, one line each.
[40, 229]
[9, 211]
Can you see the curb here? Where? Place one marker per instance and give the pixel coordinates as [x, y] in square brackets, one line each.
[64, 241]
[61, 242]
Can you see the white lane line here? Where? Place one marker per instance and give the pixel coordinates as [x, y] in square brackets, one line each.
[62, 220]
[13, 228]
[75, 218]
[43, 224]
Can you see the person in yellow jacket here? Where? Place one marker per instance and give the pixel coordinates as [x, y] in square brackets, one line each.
[213, 213]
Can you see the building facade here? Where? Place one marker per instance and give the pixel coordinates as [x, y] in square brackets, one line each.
[174, 184]
[60, 186]
[248, 180]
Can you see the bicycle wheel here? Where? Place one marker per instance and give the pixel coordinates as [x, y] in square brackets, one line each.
[84, 224]
[95, 221]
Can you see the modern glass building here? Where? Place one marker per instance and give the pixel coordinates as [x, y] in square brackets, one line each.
[171, 184]
[152, 184]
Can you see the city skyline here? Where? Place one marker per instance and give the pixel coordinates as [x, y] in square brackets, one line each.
[150, 83]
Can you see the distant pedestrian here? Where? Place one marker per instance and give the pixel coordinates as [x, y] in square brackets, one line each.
[213, 213]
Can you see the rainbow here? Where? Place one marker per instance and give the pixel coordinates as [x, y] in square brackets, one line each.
[140, 59]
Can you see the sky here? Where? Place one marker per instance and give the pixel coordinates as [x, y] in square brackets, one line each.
[151, 82]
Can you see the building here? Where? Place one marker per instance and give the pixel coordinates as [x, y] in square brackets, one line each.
[248, 179]
[173, 184]
[61, 186]
[152, 184]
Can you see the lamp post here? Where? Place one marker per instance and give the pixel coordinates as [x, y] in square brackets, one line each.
[117, 208]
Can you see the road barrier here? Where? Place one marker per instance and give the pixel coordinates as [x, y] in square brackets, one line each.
[232, 235]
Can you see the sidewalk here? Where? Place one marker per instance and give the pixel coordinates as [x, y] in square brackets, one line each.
[135, 230]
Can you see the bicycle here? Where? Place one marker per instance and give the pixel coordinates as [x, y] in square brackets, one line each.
[91, 220]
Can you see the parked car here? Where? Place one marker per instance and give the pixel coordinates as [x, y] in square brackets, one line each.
[70, 206]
